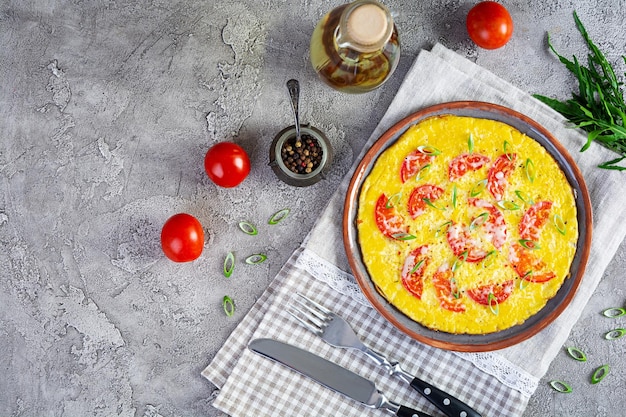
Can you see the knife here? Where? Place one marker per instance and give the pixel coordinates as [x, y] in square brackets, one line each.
[330, 375]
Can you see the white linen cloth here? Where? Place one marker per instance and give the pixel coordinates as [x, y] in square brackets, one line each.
[494, 383]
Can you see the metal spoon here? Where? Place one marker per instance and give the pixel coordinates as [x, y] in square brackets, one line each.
[294, 92]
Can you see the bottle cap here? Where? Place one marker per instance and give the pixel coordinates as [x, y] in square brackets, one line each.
[367, 26]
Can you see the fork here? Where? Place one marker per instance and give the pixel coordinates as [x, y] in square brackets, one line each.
[337, 332]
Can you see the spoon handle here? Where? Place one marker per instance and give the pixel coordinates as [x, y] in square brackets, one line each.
[294, 92]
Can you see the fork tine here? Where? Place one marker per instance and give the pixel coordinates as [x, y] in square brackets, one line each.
[321, 308]
[310, 311]
[313, 329]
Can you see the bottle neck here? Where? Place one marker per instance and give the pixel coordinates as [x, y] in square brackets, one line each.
[364, 26]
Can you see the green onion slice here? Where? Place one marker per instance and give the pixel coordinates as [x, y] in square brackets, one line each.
[489, 259]
[561, 386]
[454, 192]
[403, 236]
[577, 354]
[421, 171]
[228, 305]
[455, 290]
[599, 374]
[529, 244]
[523, 283]
[417, 266]
[430, 203]
[478, 188]
[470, 143]
[459, 260]
[529, 166]
[443, 228]
[507, 205]
[479, 220]
[615, 334]
[279, 216]
[248, 228]
[505, 148]
[559, 224]
[523, 197]
[429, 150]
[494, 306]
[614, 312]
[229, 264]
[393, 200]
[256, 259]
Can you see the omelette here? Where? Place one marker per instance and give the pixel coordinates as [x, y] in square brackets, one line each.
[466, 225]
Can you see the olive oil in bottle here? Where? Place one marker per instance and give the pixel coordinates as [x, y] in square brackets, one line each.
[355, 47]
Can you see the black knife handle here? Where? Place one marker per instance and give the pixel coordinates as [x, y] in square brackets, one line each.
[450, 405]
[409, 412]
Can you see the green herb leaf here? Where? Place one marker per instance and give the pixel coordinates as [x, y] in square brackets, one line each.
[598, 107]
[279, 216]
[229, 264]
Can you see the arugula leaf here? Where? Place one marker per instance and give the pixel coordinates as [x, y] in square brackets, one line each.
[599, 106]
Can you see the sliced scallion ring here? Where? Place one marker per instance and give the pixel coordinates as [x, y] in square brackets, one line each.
[523, 197]
[248, 228]
[494, 306]
[478, 188]
[229, 264]
[506, 147]
[443, 228]
[577, 354]
[529, 166]
[615, 334]
[489, 259]
[422, 171]
[558, 222]
[393, 200]
[430, 203]
[279, 216]
[459, 260]
[523, 283]
[256, 259]
[454, 191]
[479, 220]
[429, 150]
[454, 290]
[599, 374]
[403, 236]
[507, 205]
[228, 305]
[470, 143]
[417, 266]
[529, 244]
[561, 386]
[614, 312]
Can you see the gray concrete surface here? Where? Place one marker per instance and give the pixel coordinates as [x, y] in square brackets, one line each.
[107, 109]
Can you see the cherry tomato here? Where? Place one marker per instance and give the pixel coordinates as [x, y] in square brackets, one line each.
[489, 24]
[182, 238]
[227, 164]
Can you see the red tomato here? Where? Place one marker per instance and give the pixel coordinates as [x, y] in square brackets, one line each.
[182, 238]
[227, 164]
[489, 24]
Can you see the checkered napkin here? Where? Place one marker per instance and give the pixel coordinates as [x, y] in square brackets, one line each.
[494, 383]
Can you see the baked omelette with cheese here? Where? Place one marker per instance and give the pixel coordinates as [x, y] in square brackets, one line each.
[466, 225]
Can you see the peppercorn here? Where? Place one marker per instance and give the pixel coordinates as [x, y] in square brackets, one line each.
[301, 156]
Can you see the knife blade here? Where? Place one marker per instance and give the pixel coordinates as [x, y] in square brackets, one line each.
[330, 375]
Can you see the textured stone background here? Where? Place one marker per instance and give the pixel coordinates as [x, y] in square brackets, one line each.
[107, 109]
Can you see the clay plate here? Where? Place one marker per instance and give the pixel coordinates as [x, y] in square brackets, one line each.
[465, 342]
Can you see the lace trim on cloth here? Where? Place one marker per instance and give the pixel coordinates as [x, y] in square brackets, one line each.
[491, 363]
